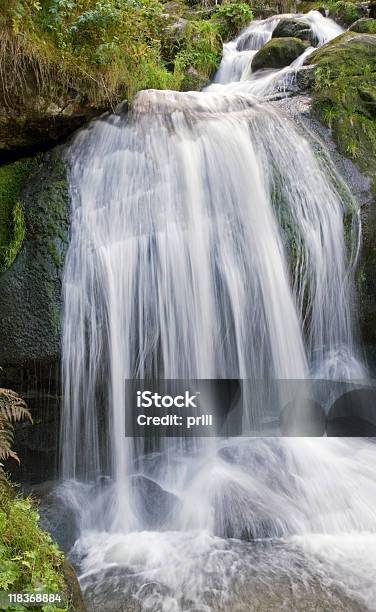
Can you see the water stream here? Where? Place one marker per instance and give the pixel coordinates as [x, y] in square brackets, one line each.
[208, 241]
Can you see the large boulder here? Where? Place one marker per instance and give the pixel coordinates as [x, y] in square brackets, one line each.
[278, 53]
[344, 98]
[364, 26]
[295, 28]
[345, 82]
[345, 13]
[30, 290]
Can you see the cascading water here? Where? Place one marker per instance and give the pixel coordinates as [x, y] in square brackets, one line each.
[208, 242]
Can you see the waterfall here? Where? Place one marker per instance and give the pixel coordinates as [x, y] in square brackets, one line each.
[207, 241]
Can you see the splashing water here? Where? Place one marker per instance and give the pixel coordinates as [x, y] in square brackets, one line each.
[208, 242]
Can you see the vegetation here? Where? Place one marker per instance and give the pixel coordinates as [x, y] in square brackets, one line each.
[12, 410]
[29, 560]
[12, 221]
[109, 49]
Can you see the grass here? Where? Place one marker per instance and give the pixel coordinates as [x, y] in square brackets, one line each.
[107, 50]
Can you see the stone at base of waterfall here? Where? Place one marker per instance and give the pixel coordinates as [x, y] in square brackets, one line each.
[156, 507]
[295, 28]
[303, 417]
[231, 577]
[305, 78]
[353, 414]
[265, 459]
[278, 53]
[364, 26]
[247, 490]
[56, 515]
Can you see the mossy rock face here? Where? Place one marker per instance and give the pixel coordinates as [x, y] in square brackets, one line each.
[364, 26]
[344, 94]
[294, 28]
[30, 290]
[345, 13]
[278, 53]
[344, 98]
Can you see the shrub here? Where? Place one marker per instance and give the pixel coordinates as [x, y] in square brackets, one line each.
[29, 560]
[233, 17]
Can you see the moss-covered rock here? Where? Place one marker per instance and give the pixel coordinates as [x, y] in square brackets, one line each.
[344, 98]
[344, 94]
[364, 26]
[345, 13]
[30, 290]
[295, 28]
[278, 52]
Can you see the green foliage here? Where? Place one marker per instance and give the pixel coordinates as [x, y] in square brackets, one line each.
[109, 49]
[12, 223]
[198, 56]
[12, 410]
[29, 560]
[233, 17]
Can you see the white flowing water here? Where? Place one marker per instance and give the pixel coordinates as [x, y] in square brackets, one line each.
[208, 241]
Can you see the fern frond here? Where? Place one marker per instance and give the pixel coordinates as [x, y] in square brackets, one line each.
[13, 406]
[12, 410]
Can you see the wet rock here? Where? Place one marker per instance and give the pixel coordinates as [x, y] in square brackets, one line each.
[57, 515]
[295, 28]
[36, 443]
[30, 290]
[353, 414]
[155, 507]
[364, 25]
[278, 53]
[345, 13]
[74, 593]
[303, 417]
[305, 77]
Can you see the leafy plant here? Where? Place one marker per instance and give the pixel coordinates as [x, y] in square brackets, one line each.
[12, 410]
[233, 16]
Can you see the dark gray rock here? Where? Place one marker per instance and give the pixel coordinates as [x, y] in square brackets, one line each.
[305, 77]
[278, 52]
[154, 505]
[296, 28]
[303, 417]
[30, 290]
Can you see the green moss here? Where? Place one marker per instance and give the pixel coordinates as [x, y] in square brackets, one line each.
[364, 26]
[12, 224]
[278, 52]
[345, 12]
[345, 95]
[29, 560]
